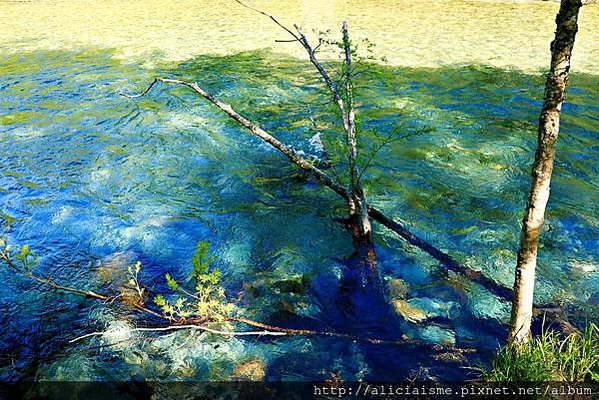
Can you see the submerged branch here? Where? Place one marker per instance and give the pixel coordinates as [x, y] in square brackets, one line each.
[445, 259]
[118, 332]
[4, 256]
[199, 323]
[270, 330]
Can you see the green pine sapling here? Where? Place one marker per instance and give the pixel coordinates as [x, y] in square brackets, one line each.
[208, 300]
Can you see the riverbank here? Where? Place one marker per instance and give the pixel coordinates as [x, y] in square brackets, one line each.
[428, 33]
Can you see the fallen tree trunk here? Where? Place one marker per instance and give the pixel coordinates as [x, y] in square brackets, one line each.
[289, 152]
[445, 259]
[322, 177]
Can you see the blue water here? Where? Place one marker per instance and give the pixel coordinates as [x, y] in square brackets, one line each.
[86, 174]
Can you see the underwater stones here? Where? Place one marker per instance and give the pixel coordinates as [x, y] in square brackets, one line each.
[408, 311]
[436, 308]
[398, 288]
[114, 270]
[436, 334]
[582, 268]
[485, 305]
[280, 293]
[450, 357]
[237, 254]
[186, 368]
[419, 309]
[117, 333]
[203, 356]
[135, 357]
[500, 268]
[114, 267]
[74, 367]
[298, 284]
[251, 370]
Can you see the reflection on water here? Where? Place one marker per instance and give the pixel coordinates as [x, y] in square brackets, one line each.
[87, 174]
[409, 33]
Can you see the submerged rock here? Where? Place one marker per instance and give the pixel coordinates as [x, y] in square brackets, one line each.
[450, 357]
[436, 308]
[419, 309]
[408, 311]
[582, 268]
[113, 269]
[398, 288]
[298, 284]
[485, 305]
[117, 334]
[251, 370]
[70, 368]
[436, 334]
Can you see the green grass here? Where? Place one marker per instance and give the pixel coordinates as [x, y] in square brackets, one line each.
[551, 356]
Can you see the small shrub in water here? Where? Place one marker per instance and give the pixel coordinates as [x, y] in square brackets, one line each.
[207, 301]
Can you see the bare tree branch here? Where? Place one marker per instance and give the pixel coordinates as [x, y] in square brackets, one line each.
[271, 17]
[199, 323]
[303, 40]
[4, 256]
[257, 131]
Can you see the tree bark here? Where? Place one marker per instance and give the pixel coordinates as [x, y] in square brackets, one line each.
[358, 207]
[555, 87]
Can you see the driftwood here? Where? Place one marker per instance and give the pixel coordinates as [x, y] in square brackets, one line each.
[178, 328]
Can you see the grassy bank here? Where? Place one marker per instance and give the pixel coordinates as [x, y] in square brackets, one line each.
[551, 356]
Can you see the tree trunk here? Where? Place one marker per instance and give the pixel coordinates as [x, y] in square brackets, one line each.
[358, 208]
[555, 86]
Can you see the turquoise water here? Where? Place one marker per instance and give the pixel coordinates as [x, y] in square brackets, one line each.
[86, 174]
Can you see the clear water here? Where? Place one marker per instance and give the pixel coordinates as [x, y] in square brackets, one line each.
[86, 174]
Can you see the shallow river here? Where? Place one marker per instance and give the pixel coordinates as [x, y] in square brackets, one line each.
[86, 175]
